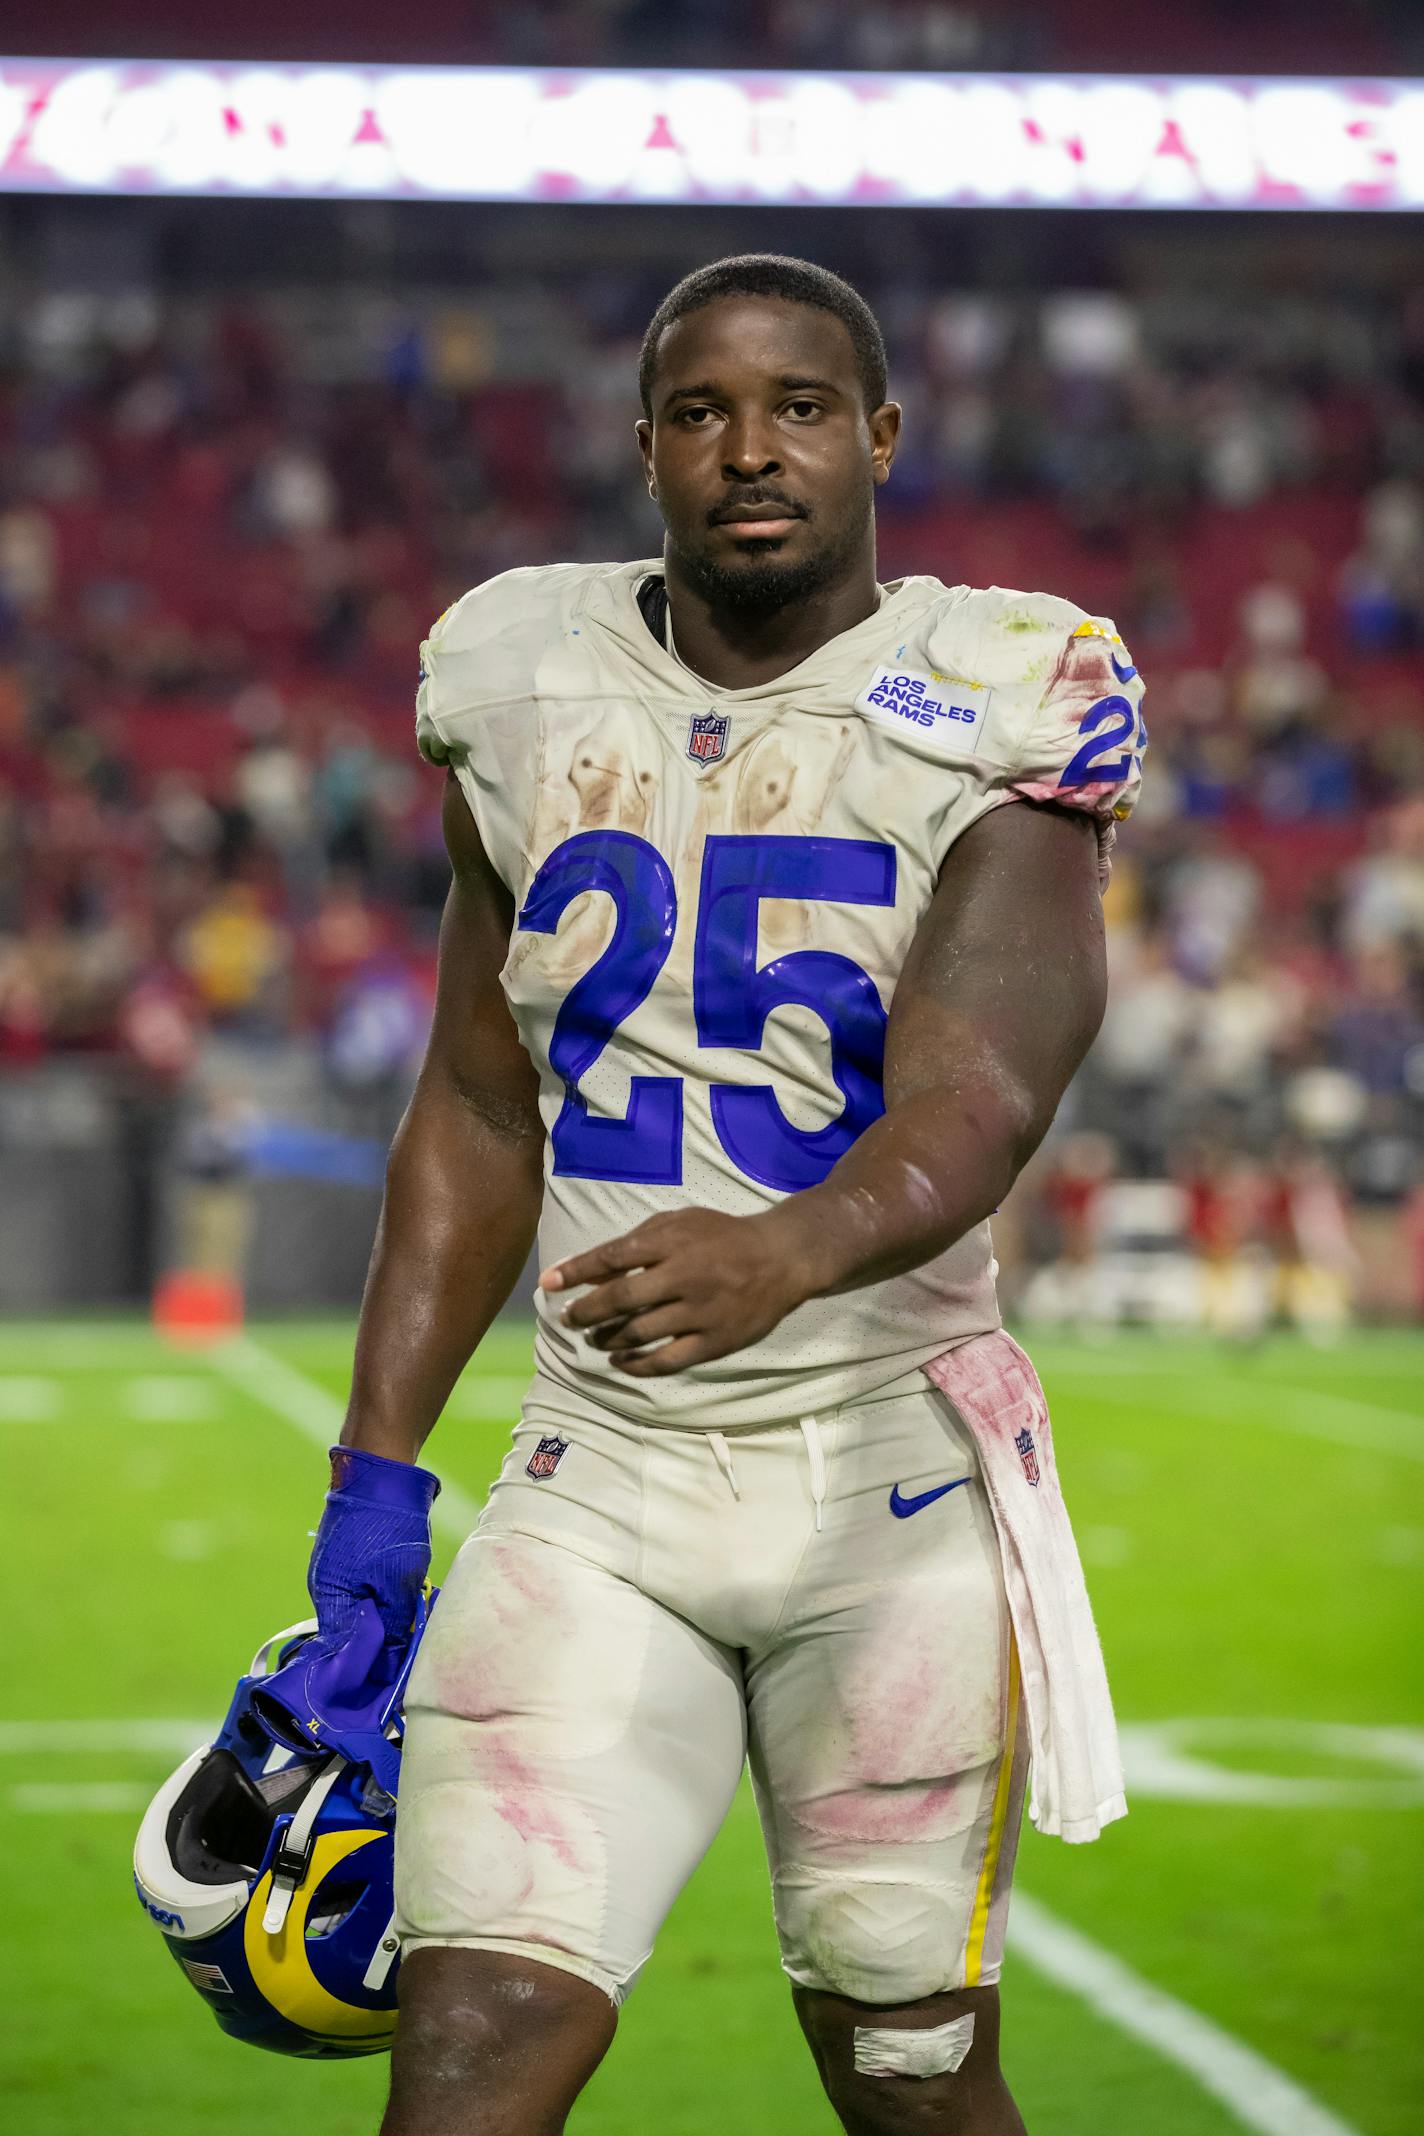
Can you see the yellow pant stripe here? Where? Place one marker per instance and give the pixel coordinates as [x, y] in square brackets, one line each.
[998, 1818]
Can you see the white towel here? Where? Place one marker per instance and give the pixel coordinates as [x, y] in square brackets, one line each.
[1077, 1783]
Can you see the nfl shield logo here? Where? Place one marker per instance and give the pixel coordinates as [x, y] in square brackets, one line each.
[1028, 1454]
[707, 737]
[545, 1458]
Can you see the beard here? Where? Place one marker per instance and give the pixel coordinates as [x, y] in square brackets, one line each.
[762, 584]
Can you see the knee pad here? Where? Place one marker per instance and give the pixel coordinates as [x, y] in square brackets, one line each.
[874, 1942]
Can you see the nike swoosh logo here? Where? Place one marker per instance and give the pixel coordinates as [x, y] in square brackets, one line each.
[1123, 674]
[903, 1507]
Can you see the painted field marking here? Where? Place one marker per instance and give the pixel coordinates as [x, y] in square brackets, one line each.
[52, 1347]
[93, 1798]
[318, 1415]
[487, 1394]
[28, 1739]
[166, 1398]
[88, 1797]
[1367, 1355]
[1371, 1427]
[1170, 1761]
[1106, 1545]
[27, 1399]
[147, 1398]
[1260, 2096]
[188, 1542]
[1400, 1545]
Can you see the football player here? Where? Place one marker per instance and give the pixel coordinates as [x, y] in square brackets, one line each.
[773, 940]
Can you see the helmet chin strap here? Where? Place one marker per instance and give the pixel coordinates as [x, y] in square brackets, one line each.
[383, 1958]
[294, 1854]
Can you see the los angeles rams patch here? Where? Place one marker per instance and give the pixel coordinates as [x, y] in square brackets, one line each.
[939, 709]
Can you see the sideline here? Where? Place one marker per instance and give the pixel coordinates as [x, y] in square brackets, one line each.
[1261, 2097]
[317, 1414]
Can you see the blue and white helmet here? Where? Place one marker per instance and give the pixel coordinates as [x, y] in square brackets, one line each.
[269, 1876]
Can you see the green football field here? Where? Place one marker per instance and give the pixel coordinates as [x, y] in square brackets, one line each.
[1244, 1952]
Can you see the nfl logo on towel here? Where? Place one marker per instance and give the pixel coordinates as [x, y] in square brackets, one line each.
[545, 1458]
[1027, 1453]
[707, 737]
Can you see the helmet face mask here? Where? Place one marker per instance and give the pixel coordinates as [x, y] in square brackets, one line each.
[268, 1876]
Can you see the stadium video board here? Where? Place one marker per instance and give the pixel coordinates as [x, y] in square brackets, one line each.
[568, 136]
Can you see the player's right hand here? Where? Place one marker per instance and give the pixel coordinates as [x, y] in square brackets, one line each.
[373, 1544]
[367, 1574]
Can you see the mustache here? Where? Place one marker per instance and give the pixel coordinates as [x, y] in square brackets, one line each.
[740, 500]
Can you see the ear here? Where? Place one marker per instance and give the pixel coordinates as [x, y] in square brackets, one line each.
[884, 437]
[644, 431]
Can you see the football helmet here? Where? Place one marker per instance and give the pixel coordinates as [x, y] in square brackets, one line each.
[268, 1874]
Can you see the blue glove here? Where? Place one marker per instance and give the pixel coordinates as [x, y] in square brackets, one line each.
[373, 1542]
[367, 1578]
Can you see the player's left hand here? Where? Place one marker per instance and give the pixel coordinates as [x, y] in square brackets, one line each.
[682, 1288]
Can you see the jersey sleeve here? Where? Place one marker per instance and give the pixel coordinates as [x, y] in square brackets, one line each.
[1083, 748]
[433, 697]
[475, 704]
[455, 672]
[1065, 723]
[483, 654]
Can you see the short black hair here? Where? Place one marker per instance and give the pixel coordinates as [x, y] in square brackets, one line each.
[771, 274]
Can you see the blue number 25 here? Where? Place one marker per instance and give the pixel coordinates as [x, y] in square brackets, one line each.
[732, 999]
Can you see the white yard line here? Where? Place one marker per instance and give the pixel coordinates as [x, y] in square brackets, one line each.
[48, 1347]
[1371, 1427]
[1368, 1426]
[488, 1394]
[1366, 1353]
[318, 1415]
[1260, 2096]
[86, 1798]
[166, 1398]
[27, 1399]
[1373, 1415]
[28, 1739]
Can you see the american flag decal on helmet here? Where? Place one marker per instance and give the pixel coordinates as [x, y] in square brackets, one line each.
[210, 1978]
[1028, 1454]
[546, 1457]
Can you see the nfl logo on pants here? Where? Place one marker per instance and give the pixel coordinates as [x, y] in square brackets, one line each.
[707, 736]
[545, 1458]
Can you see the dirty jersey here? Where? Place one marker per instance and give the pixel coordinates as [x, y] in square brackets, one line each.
[715, 891]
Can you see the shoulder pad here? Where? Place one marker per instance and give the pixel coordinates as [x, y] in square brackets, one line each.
[1011, 639]
[1066, 708]
[486, 648]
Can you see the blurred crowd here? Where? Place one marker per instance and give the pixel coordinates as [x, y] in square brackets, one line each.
[911, 36]
[223, 533]
[1205, 36]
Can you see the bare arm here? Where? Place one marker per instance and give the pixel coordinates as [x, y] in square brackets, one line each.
[1000, 998]
[464, 1181]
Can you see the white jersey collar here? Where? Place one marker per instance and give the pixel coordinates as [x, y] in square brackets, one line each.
[613, 604]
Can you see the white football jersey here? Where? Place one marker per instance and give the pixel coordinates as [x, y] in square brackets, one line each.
[716, 890]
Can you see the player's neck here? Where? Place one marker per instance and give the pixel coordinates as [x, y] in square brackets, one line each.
[735, 650]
